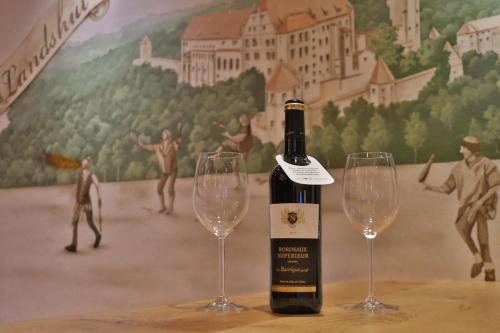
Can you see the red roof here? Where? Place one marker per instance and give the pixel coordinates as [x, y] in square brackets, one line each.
[223, 25]
[297, 22]
[282, 79]
[381, 73]
[319, 10]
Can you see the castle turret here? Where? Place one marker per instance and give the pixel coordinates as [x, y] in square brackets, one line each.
[405, 17]
[382, 84]
[146, 49]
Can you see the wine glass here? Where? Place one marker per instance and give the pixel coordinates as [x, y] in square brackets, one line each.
[370, 201]
[220, 201]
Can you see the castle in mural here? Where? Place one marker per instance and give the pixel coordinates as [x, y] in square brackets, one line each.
[305, 49]
[480, 35]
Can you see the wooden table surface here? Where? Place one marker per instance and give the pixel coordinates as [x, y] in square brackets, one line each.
[440, 306]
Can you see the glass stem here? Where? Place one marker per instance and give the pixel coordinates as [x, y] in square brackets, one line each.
[222, 292]
[371, 292]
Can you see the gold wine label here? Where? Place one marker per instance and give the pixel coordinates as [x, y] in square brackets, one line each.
[295, 106]
[293, 289]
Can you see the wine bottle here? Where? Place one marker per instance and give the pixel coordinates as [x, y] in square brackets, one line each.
[295, 225]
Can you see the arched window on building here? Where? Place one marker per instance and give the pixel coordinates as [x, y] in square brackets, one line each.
[218, 63]
[224, 64]
[237, 63]
[231, 64]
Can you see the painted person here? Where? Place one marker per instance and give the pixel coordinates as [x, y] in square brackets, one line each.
[86, 179]
[476, 180]
[242, 142]
[166, 156]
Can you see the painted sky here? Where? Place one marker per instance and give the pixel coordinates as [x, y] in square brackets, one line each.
[18, 17]
[124, 12]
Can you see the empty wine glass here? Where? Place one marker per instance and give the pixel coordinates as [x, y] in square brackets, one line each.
[220, 201]
[370, 201]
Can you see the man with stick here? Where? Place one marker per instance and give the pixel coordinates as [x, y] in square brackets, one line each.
[86, 179]
[477, 180]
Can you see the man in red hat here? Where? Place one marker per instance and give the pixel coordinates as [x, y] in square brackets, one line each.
[477, 181]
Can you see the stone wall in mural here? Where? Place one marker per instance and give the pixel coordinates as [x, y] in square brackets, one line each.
[128, 112]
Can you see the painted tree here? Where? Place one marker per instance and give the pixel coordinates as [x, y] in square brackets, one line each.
[330, 113]
[135, 171]
[416, 133]
[492, 116]
[118, 155]
[103, 164]
[350, 138]
[444, 108]
[477, 129]
[378, 138]
[331, 145]
[386, 46]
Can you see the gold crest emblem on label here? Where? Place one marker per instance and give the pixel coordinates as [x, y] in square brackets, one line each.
[292, 217]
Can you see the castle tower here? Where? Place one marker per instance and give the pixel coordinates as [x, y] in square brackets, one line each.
[382, 84]
[146, 49]
[405, 17]
[455, 61]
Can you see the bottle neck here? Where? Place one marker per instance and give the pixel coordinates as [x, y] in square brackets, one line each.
[295, 143]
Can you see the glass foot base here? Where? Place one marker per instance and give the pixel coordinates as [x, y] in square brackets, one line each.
[222, 304]
[371, 304]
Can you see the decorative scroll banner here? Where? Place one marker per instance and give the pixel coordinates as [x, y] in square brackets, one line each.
[42, 43]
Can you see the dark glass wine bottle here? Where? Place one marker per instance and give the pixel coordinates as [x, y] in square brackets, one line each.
[295, 225]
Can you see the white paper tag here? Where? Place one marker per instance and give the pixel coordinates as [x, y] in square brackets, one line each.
[312, 174]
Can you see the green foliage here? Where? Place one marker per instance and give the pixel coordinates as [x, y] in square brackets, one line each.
[492, 116]
[477, 65]
[430, 54]
[416, 133]
[444, 109]
[449, 15]
[330, 113]
[386, 46]
[324, 144]
[91, 110]
[261, 157]
[370, 14]
[476, 128]
[350, 137]
[378, 138]
[166, 44]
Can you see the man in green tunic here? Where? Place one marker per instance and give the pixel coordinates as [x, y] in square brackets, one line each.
[477, 180]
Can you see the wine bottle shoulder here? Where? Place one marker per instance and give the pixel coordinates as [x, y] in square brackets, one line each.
[283, 189]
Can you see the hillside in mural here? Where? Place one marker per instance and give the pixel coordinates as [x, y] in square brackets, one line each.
[368, 83]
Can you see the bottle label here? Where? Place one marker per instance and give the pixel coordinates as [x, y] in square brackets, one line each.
[294, 247]
[311, 174]
[295, 265]
[292, 220]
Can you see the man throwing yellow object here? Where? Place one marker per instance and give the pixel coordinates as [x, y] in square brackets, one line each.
[477, 181]
[166, 156]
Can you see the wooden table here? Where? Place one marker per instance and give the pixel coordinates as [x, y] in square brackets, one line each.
[441, 306]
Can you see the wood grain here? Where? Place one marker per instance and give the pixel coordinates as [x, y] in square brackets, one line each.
[440, 306]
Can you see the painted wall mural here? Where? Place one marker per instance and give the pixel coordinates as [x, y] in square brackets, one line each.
[111, 129]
